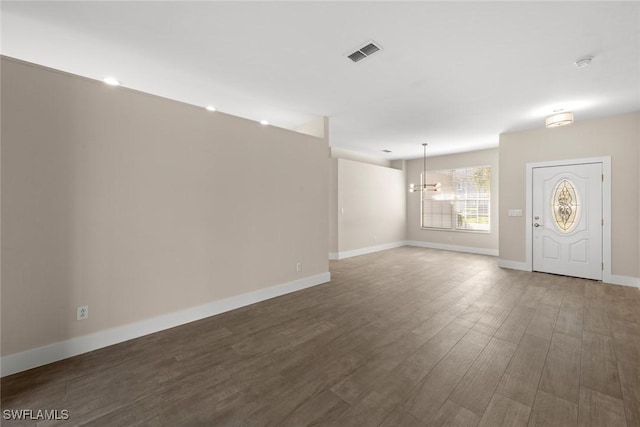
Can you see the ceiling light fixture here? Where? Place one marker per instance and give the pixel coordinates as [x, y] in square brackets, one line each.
[559, 120]
[211, 108]
[423, 186]
[112, 81]
[585, 61]
[264, 122]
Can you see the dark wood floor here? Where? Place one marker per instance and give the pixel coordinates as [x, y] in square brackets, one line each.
[405, 337]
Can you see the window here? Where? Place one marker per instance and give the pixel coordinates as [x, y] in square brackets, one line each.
[463, 202]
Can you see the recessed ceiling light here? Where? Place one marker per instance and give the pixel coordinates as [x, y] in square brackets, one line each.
[264, 122]
[585, 61]
[112, 81]
[211, 108]
[386, 151]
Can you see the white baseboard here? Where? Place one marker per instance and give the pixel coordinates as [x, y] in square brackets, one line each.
[622, 280]
[513, 265]
[367, 250]
[28, 359]
[455, 248]
[613, 279]
[371, 249]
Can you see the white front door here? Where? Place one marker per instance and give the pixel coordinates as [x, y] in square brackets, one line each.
[567, 220]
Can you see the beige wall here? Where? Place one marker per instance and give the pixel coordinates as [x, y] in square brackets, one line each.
[333, 205]
[370, 206]
[140, 206]
[342, 153]
[483, 241]
[318, 127]
[618, 137]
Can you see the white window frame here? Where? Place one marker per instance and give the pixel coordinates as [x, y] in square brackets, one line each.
[454, 214]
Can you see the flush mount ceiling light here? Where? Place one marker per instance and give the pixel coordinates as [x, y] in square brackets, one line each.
[560, 119]
[112, 81]
[211, 108]
[386, 151]
[585, 61]
[423, 186]
[264, 122]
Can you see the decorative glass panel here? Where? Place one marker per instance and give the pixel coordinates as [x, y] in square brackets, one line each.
[565, 207]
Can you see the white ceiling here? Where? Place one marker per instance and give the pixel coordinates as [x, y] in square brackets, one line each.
[453, 74]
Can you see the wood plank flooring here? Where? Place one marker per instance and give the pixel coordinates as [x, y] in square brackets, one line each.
[405, 337]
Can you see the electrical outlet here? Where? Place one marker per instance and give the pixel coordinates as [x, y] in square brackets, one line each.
[83, 312]
[299, 266]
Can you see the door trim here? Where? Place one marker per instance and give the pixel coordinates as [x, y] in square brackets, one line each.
[606, 209]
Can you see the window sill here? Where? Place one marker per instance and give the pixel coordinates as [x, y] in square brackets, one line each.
[453, 230]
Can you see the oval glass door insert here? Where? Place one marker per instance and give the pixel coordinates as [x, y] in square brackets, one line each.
[565, 206]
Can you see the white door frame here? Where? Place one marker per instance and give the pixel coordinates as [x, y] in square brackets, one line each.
[606, 209]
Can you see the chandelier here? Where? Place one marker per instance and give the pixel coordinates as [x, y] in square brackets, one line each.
[423, 186]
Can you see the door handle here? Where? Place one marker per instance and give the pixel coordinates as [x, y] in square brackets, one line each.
[536, 224]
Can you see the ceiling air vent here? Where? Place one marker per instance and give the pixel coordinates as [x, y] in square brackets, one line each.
[357, 56]
[365, 51]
